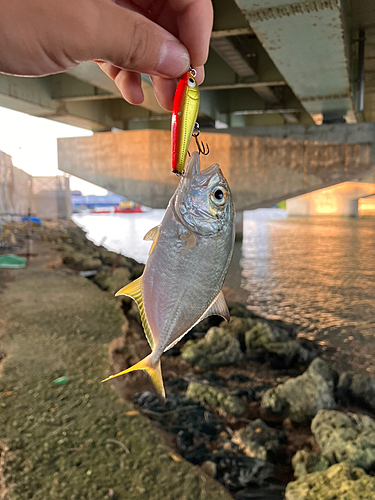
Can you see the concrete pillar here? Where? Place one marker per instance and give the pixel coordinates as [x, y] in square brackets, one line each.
[239, 226]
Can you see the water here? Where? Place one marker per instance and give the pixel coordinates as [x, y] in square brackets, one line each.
[316, 272]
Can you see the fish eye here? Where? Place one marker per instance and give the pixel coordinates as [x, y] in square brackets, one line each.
[218, 195]
[191, 82]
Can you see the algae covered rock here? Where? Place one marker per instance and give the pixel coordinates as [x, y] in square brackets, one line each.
[237, 326]
[302, 397]
[340, 481]
[306, 462]
[258, 440]
[357, 388]
[237, 309]
[80, 261]
[278, 345]
[113, 282]
[260, 335]
[342, 438]
[212, 396]
[217, 348]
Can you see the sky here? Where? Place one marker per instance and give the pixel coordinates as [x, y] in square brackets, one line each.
[32, 144]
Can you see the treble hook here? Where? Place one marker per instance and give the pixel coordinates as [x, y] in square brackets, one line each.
[202, 149]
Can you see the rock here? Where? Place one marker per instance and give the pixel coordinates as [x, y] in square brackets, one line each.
[237, 328]
[340, 481]
[356, 387]
[282, 354]
[302, 397]
[258, 440]
[342, 438]
[80, 261]
[217, 348]
[177, 384]
[209, 395]
[239, 378]
[209, 468]
[306, 462]
[270, 492]
[248, 394]
[211, 378]
[137, 271]
[238, 471]
[278, 346]
[258, 337]
[113, 282]
[238, 310]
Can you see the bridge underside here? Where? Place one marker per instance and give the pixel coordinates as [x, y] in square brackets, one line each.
[261, 170]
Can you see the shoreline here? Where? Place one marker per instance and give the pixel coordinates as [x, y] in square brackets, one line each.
[259, 369]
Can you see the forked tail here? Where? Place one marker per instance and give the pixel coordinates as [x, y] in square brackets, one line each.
[153, 371]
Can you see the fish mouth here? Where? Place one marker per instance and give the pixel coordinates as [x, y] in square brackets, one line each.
[193, 168]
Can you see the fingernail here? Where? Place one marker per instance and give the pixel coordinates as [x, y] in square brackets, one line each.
[174, 59]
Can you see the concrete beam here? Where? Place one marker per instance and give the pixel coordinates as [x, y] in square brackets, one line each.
[305, 40]
[261, 171]
[38, 97]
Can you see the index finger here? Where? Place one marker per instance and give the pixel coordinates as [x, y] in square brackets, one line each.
[194, 22]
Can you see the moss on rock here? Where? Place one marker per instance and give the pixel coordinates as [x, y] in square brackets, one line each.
[338, 482]
[216, 398]
[217, 348]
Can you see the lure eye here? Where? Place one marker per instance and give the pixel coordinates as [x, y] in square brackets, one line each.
[218, 195]
[191, 82]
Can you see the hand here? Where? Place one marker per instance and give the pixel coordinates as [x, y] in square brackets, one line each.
[160, 38]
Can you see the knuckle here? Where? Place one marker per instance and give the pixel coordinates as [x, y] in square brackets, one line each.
[139, 47]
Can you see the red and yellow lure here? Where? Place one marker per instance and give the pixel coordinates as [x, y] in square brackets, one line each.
[184, 116]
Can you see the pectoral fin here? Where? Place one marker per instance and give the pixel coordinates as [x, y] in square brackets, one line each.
[153, 371]
[190, 240]
[135, 291]
[153, 236]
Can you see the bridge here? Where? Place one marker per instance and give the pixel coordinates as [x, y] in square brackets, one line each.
[278, 74]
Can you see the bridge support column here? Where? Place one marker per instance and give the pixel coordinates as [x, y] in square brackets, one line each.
[239, 226]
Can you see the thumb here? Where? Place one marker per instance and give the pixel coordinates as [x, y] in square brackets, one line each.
[130, 41]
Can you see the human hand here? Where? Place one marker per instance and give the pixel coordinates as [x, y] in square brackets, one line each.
[128, 37]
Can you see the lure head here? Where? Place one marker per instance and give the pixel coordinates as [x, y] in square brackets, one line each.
[203, 201]
[192, 89]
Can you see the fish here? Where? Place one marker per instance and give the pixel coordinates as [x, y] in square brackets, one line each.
[187, 264]
[184, 116]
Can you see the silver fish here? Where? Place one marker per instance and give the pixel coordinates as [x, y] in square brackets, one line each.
[188, 261]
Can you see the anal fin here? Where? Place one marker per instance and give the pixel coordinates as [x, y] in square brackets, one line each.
[217, 308]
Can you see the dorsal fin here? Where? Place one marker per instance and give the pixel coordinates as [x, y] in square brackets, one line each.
[135, 291]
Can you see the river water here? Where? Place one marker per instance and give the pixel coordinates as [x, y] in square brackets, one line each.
[316, 272]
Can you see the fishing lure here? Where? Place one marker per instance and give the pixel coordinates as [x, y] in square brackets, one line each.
[184, 116]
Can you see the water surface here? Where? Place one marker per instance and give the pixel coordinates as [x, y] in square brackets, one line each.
[317, 272]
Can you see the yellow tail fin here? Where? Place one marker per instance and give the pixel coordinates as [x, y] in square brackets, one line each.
[154, 372]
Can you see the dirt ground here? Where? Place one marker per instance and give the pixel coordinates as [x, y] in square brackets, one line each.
[77, 440]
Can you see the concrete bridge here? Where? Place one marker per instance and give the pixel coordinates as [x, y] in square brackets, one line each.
[261, 170]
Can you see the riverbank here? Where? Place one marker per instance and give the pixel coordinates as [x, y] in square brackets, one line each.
[69, 441]
[241, 396]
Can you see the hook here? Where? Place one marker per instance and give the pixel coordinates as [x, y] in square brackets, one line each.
[202, 149]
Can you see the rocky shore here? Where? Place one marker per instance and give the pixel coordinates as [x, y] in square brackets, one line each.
[248, 401]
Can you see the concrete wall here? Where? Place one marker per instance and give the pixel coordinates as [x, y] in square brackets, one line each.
[261, 171]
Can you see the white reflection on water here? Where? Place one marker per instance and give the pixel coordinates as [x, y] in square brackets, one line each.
[124, 232]
[316, 272]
